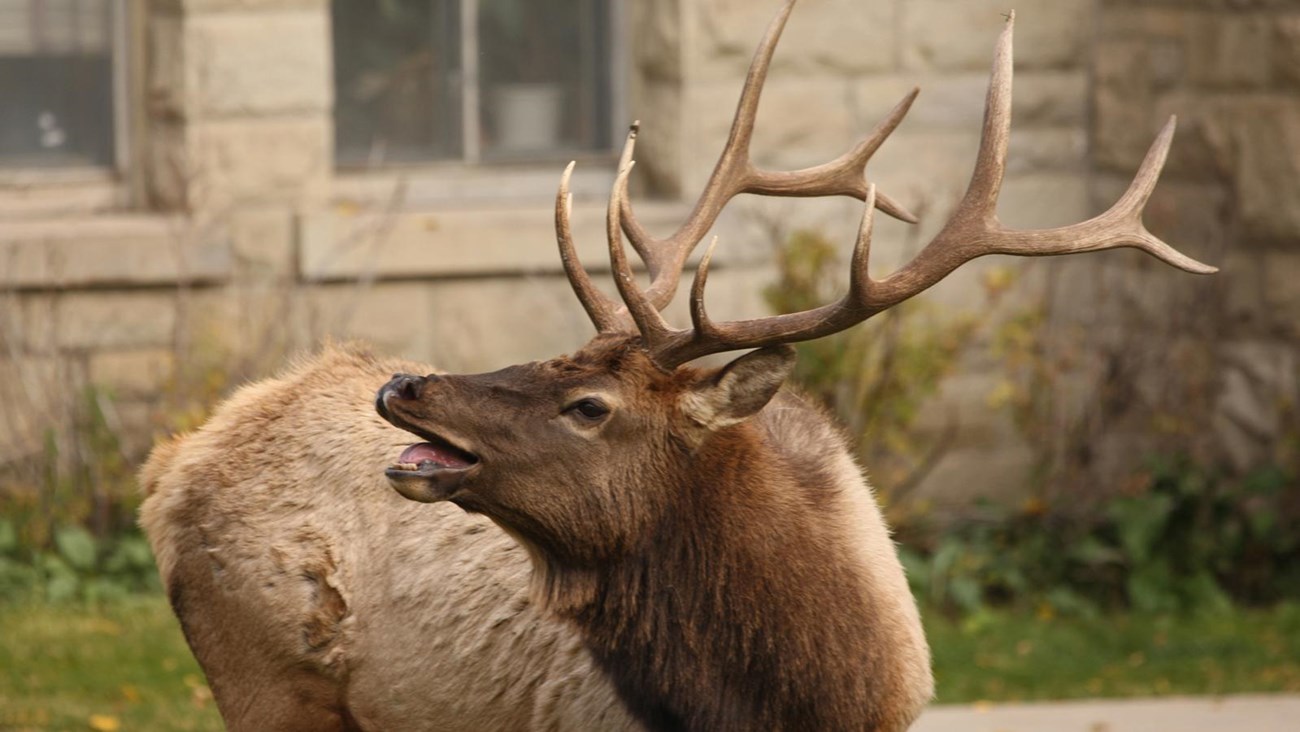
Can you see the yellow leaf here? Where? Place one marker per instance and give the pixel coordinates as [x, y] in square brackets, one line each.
[103, 626]
[130, 693]
[998, 279]
[982, 706]
[104, 723]
[1001, 395]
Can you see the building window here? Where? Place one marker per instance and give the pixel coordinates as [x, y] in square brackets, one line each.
[472, 80]
[57, 83]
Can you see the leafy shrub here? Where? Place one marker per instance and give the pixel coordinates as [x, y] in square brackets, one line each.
[875, 377]
[76, 567]
[1180, 539]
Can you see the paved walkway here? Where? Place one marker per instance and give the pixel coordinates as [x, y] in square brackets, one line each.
[1256, 713]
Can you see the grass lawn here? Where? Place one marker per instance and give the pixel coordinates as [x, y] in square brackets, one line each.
[124, 665]
[1002, 657]
[121, 666]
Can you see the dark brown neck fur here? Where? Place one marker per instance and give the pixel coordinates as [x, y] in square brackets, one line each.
[744, 611]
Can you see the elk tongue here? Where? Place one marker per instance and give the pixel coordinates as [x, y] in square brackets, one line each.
[418, 453]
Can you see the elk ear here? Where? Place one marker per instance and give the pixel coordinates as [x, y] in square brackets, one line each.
[740, 389]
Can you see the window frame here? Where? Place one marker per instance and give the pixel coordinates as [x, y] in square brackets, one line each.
[438, 181]
[120, 32]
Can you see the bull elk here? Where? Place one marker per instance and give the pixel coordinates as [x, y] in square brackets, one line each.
[618, 540]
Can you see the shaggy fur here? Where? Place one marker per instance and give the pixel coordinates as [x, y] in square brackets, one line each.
[766, 597]
[316, 598]
[727, 571]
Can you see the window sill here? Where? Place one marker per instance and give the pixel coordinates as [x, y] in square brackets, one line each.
[99, 251]
[71, 175]
[33, 193]
[454, 185]
[507, 238]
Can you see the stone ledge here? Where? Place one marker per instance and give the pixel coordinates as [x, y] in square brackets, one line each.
[336, 245]
[33, 195]
[474, 325]
[68, 322]
[108, 251]
[244, 6]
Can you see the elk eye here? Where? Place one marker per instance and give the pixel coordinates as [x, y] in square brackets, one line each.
[589, 409]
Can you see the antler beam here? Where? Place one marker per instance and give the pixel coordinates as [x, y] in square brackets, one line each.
[972, 231]
[734, 174]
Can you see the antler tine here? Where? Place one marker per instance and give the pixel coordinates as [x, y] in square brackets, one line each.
[981, 196]
[735, 174]
[648, 321]
[600, 308]
[651, 257]
[700, 322]
[972, 231]
[707, 337]
[1130, 206]
[843, 175]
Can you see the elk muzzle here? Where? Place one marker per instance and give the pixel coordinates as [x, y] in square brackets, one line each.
[426, 471]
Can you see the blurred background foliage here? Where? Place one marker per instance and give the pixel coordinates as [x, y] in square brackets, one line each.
[1184, 577]
[1181, 534]
[1178, 536]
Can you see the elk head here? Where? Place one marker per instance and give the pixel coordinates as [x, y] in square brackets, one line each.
[579, 454]
[554, 448]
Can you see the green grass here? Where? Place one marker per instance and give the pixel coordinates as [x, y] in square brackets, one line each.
[124, 665]
[999, 657]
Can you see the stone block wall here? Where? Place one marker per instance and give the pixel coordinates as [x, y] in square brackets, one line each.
[239, 101]
[1210, 365]
[248, 237]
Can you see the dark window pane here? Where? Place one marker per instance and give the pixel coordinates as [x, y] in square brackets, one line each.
[397, 81]
[545, 77]
[56, 83]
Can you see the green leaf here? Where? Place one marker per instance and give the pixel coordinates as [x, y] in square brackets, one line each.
[1093, 551]
[1262, 523]
[917, 570]
[1149, 588]
[100, 589]
[61, 588]
[967, 593]
[1141, 523]
[77, 546]
[8, 536]
[1204, 595]
[1069, 602]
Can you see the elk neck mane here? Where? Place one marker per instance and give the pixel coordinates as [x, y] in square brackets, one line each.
[760, 601]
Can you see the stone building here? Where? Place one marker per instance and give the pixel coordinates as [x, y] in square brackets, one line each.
[179, 177]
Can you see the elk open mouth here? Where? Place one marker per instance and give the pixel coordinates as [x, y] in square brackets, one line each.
[432, 470]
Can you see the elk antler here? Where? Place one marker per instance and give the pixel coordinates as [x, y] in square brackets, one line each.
[734, 174]
[972, 231]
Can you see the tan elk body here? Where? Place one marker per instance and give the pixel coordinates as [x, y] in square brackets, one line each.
[616, 540]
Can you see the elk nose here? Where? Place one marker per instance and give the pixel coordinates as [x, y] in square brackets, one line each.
[405, 386]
